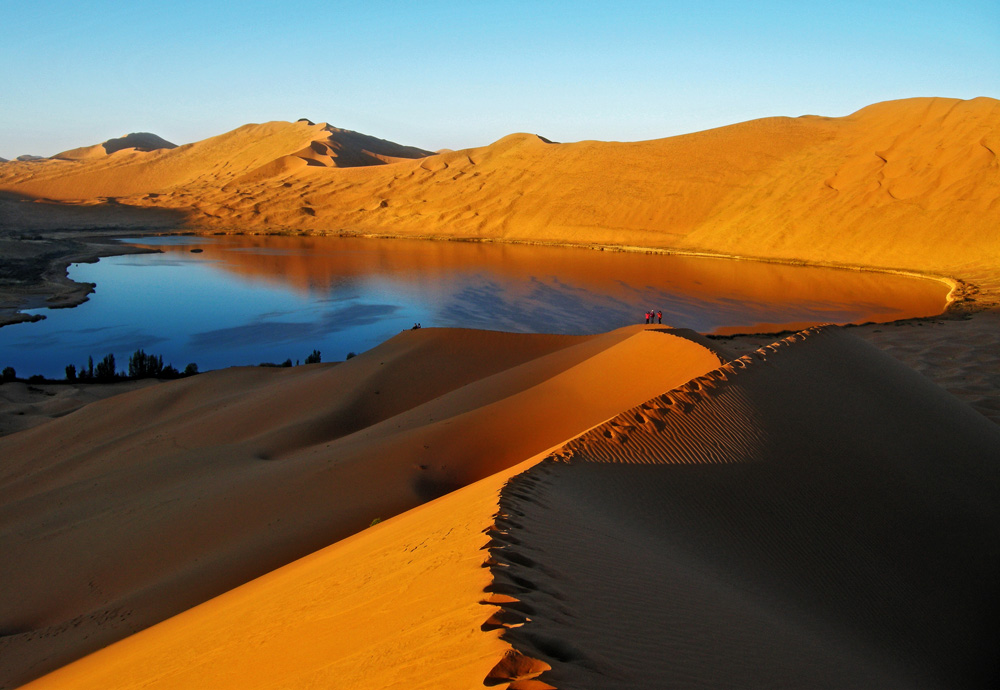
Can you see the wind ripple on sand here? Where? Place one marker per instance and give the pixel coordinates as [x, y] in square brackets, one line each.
[677, 428]
[836, 526]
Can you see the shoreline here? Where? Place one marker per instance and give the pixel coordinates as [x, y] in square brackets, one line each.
[50, 286]
[953, 284]
[53, 289]
[958, 349]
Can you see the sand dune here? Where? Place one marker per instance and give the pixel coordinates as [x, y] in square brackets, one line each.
[880, 187]
[396, 606]
[139, 141]
[24, 405]
[814, 514]
[251, 153]
[137, 507]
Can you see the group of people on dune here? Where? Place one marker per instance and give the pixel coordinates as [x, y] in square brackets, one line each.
[651, 314]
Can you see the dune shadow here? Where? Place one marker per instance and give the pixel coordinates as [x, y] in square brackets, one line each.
[22, 214]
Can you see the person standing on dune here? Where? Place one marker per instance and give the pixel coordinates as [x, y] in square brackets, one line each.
[647, 318]
[659, 316]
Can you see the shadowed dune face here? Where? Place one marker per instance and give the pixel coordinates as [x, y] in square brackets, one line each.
[876, 188]
[20, 213]
[140, 506]
[812, 515]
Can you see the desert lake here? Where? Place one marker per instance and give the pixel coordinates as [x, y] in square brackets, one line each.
[252, 299]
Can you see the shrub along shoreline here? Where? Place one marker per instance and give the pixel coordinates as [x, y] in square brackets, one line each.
[140, 366]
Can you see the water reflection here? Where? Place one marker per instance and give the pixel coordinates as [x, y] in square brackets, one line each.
[244, 300]
[266, 329]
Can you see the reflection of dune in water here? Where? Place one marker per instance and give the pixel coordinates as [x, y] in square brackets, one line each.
[549, 289]
[264, 329]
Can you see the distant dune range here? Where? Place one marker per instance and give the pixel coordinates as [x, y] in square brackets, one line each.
[909, 184]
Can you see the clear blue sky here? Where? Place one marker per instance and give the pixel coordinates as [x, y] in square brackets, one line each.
[460, 74]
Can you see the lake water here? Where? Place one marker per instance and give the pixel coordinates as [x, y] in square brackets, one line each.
[247, 300]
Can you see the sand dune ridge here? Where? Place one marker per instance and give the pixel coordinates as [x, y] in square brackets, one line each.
[801, 559]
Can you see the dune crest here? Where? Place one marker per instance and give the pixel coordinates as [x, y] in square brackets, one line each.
[253, 153]
[140, 141]
[852, 540]
[285, 462]
[395, 606]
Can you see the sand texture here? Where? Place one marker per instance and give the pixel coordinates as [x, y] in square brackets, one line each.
[910, 184]
[137, 507]
[960, 353]
[812, 514]
[395, 606]
[24, 405]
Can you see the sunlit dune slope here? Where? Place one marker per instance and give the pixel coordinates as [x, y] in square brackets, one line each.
[137, 507]
[904, 184]
[396, 606]
[812, 515]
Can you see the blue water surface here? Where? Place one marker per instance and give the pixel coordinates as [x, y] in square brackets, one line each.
[234, 304]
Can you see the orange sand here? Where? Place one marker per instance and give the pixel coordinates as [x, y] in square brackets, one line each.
[903, 184]
[816, 514]
[813, 514]
[395, 606]
[140, 506]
